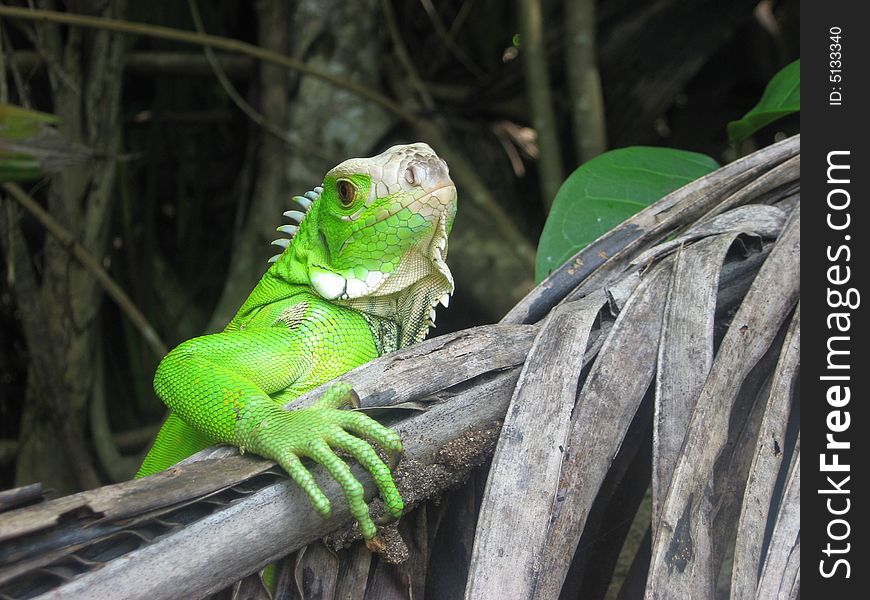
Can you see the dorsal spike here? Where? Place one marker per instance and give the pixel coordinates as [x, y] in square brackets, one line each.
[305, 202]
[302, 201]
[294, 215]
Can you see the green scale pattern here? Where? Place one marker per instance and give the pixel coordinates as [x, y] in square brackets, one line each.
[397, 231]
[313, 316]
[229, 387]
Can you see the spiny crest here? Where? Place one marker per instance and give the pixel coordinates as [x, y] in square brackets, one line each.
[443, 300]
[297, 216]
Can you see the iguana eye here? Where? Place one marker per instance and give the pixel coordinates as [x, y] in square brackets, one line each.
[346, 192]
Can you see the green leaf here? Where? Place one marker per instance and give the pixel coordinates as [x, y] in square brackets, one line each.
[607, 190]
[781, 97]
[30, 147]
[18, 167]
[20, 123]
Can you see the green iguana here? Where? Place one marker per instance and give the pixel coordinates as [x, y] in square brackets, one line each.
[360, 276]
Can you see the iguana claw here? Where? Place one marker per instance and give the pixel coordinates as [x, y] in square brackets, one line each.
[315, 433]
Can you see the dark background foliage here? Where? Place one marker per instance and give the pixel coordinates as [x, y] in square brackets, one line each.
[187, 186]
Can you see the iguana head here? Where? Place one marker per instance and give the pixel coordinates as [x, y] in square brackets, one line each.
[374, 237]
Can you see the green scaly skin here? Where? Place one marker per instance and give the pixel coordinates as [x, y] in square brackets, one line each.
[360, 278]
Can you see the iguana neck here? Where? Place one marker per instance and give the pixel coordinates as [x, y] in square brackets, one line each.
[410, 312]
[285, 278]
[410, 309]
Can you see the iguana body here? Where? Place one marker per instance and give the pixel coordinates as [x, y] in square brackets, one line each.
[360, 277]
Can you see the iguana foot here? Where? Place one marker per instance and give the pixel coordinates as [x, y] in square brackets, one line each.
[315, 432]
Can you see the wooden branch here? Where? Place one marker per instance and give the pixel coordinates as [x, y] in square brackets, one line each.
[162, 62]
[21, 496]
[195, 528]
[646, 228]
[529, 455]
[685, 354]
[605, 409]
[485, 359]
[779, 176]
[261, 527]
[754, 220]
[770, 450]
[781, 574]
[682, 562]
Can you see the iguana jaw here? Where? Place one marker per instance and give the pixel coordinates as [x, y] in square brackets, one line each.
[422, 280]
[426, 256]
[413, 306]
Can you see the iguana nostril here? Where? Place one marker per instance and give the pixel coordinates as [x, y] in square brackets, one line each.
[411, 176]
[427, 172]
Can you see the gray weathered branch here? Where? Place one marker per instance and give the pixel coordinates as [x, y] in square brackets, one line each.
[628, 366]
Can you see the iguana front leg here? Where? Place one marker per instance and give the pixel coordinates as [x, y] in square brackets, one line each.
[221, 386]
[361, 277]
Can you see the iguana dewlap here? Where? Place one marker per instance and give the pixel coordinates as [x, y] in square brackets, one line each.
[359, 276]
